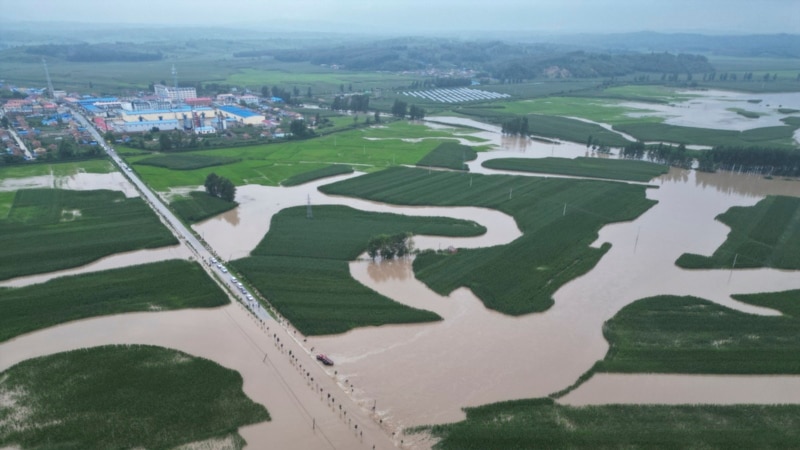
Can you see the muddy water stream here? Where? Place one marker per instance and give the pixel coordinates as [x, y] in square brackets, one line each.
[426, 373]
[422, 374]
[109, 262]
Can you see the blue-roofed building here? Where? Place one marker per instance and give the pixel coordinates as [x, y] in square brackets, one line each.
[241, 115]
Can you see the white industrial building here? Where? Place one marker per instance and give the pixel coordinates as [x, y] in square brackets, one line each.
[176, 94]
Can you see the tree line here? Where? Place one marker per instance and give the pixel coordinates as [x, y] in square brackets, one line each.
[94, 53]
[401, 109]
[390, 246]
[356, 102]
[221, 187]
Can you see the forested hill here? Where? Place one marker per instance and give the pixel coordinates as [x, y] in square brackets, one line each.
[94, 52]
[496, 59]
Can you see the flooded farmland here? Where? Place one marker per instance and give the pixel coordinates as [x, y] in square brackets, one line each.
[423, 374]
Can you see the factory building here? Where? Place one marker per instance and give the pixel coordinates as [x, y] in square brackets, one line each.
[175, 94]
[240, 115]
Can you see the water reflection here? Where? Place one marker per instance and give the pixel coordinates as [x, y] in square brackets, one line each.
[382, 271]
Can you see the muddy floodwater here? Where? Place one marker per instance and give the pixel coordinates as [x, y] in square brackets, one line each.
[426, 373]
[671, 389]
[114, 181]
[406, 375]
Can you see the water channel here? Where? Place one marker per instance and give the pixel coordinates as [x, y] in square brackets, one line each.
[422, 374]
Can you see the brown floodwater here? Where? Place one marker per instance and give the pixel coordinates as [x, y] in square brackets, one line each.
[83, 181]
[606, 388]
[426, 373]
[109, 262]
[422, 374]
[302, 415]
[235, 233]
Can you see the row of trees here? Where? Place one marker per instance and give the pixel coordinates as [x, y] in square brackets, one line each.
[662, 154]
[390, 246]
[401, 109]
[516, 126]
[357, 102]
[765, 160]
[217, 186]
[441, 82]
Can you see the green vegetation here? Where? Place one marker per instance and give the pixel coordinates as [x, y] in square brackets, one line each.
[53, 229]
[451, 155]
[764, 235]
[370, 148]
[301, 266]
[121, 397]
[64, 169]
[199, 206]
[668, 334]
[541, 423]
[746, 113]
[325, 172]
[777, 136]
[788, 110]
[186, 161]
[615, 169]
[520, 277]
[166, 285]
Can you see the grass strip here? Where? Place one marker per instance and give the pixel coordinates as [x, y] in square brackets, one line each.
[560, 218]
[450, 155]
[187, 161]
[200, 206]
[615, 169]
[764, 235]
[53, 229]
[121, 397]
[542, 423]
[668, 334]
[325, 172]
[777, 136]
[165, 285]
[301, 266]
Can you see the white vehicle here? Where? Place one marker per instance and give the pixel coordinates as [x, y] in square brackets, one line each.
[224, 270]
[234, 280]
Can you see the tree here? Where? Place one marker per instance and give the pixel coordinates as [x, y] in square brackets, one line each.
[309, 94]
[299, 129]
[227, 190]
[221, 187]
[4, 122]
[164, 142]
[399, 109]
[377, 116]
[212, 184]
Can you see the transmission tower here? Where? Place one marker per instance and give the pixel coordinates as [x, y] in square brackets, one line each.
[49, 82]
[309, 214]
[174, 76]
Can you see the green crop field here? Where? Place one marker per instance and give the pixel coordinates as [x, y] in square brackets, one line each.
[615, 169]
[450, 155]
[186, 161]
[301, 266]
[541, 423]
[764, 235]
[53, 229]
[325, 172]
[368, 148]
[200, 206]
[596, 109]
[166, 285]
[668, 334]
[777, 136]
[64, 169]
[122, 397]
[522, 276]
[6, 202]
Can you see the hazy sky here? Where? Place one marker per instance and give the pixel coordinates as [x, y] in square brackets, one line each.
[420, 16]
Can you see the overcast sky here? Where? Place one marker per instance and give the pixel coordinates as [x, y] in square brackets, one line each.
[421, 16]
